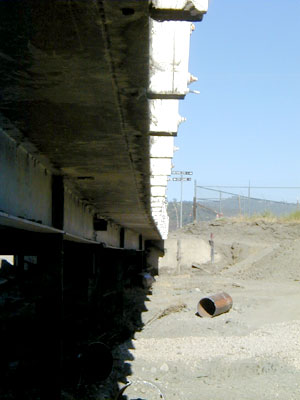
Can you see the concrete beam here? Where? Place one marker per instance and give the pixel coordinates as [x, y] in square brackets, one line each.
[158, 180]
[186, 10]
[161, 147]
[158, 191]
[164, 117]
[86, 119]
[169, 59]
[78, 216]
[161, 166]
[158, 202]
[25, 184]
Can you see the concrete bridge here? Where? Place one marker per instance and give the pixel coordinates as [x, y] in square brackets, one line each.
[88, 114]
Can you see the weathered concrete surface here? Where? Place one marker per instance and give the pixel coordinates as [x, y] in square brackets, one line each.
[164, 117]
[81, 189]
[181, 253]
[81, 88]
[185, 10]
[73, 81]
[169, 58]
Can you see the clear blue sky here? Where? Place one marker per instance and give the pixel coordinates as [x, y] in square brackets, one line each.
[245, 123]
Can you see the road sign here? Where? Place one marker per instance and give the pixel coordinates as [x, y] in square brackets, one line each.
[181, 179]
[182, 173]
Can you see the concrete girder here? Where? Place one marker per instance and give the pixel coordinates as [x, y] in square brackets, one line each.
[169, 59]
[74, 90]
[159, 191]
[161, 147]
[159, 180]
[164, 117]
[186, 10]
[160, 201]
[161, 166]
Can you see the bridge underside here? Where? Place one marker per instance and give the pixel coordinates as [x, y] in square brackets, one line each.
[89, 107]
[74, 77]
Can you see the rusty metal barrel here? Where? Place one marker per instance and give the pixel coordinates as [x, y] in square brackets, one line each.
[214, 305]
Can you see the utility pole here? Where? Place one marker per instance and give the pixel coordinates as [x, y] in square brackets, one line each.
[181, 179]
[181, 190]
[176, 213]
[249, 199]
[195, 202]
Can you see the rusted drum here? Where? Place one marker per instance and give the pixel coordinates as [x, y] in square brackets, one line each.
[214, 305]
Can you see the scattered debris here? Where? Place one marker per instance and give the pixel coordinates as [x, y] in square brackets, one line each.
[142, 386]
[237, 285]
[197, 266]
[119, 395]
[164, 367]
[170, 310]
[147, 280]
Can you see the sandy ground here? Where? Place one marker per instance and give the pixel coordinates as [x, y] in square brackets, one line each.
[251, 352]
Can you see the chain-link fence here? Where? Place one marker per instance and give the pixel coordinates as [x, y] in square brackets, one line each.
[213, 202]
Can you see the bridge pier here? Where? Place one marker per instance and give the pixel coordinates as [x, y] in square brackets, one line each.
[50, 317]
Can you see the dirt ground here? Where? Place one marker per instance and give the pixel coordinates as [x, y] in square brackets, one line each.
[251, 352]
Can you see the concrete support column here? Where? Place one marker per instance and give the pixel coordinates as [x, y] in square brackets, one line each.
[19, 263]
[78, 262]
[107, 294]
[50, 310]
[154, 250]
[58, 201]
[96, 289]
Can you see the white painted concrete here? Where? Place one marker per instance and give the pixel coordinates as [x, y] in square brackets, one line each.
[160, 200]
[193, 5]
[161, 147]
[164, 116]
[160, 216]
[157, 205]
[158, 191]
[169, 58]
[160, 180]
[169, 80]
[161, 166]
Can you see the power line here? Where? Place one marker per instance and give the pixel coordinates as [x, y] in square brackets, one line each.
[252, 187]
[242, 196]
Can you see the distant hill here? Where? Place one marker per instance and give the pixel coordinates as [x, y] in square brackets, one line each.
[230, 207]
